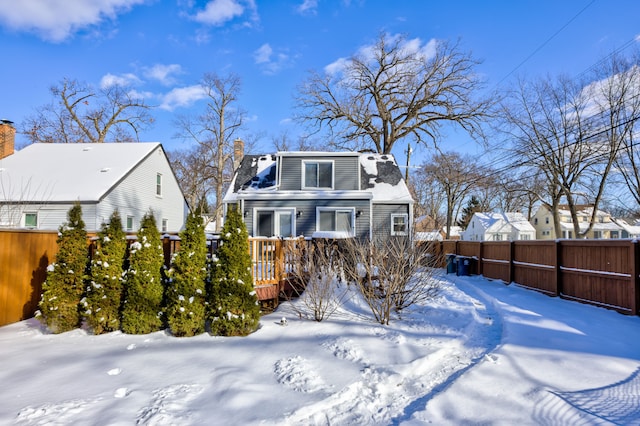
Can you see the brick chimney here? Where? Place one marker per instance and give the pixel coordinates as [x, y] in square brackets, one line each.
[7, 138]
[238, 153]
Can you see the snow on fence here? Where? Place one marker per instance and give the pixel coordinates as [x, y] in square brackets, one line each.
[600, 272]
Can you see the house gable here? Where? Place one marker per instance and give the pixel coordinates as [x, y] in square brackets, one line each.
[49, 178]
[365, 191]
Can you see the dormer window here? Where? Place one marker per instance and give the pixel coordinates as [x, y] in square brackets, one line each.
[317, 175]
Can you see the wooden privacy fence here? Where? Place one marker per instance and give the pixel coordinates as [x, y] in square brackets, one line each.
[600, 272]
[25, 255]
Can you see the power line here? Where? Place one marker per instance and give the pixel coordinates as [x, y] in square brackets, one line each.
[547, 41]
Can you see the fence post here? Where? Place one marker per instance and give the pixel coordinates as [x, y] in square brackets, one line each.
[511, 256]
[558, 267]
[480, 257]
[635, 279]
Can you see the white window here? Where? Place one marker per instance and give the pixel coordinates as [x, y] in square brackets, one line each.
[399, 224]
[317, 174]
[597, 234]
[165, 225]
[159, 184]
[129, 223]
[274, 223]
[31, 220]
[335, 220]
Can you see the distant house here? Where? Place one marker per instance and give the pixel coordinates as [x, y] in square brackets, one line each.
[604, 226]
[498, 227]
[322, 193]
[40, 183]
[628, 230]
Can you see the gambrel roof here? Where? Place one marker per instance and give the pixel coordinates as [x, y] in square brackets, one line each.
[380, 176]
[50, 173]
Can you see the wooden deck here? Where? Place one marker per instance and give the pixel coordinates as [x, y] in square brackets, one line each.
[272, 261]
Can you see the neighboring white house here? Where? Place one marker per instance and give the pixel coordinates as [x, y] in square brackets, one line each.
[40, 183]
[498, 227]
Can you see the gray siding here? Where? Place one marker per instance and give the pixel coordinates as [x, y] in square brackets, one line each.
[346, 172]
[382, 217]
[305, 223]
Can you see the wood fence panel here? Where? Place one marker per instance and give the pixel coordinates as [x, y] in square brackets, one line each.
[535, 265]
[24, 257]
[496, 260]
[599, 272]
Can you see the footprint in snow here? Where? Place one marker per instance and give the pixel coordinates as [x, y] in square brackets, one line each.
[114, 371]
[298, 374]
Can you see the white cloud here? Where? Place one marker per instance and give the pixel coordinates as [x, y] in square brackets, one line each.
[367, 52]
[163, 73]
[336, 67]
[270, 61]
[217, 12]
[182, 96]
[123, 80]
[308, 7]
[263, 54]
[56, 20]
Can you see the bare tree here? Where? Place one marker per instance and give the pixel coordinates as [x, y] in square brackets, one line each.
[206, 169]
[394, 89]
[429, 196]
[284, 142]
[457, 175]
[573, 133]
[392, 275]
[81, 113]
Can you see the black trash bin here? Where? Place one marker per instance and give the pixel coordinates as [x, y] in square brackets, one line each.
[451, 264]
[464, 266]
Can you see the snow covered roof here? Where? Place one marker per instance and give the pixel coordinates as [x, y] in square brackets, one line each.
[45, 172]
[380, 177]
[495, 221]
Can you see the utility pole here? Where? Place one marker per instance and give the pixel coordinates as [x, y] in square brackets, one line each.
[406, 172]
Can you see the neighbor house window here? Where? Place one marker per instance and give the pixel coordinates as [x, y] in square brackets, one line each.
[159, 184]
[336, 220]
[129, 223]
[165, 225]
[399, 224]
[317, 174]
[31, 220]
[597, 234]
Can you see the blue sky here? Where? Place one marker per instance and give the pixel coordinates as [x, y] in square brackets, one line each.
[166, 46]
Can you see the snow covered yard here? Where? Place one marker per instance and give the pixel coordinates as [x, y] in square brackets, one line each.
[481, 352]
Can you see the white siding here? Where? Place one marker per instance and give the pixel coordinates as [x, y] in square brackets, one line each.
[132, 196]
[136, 195]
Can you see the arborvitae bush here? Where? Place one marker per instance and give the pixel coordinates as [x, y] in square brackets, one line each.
[233, 305]
[143, 287]
[102, 302]
[185, 289]
[62, 291]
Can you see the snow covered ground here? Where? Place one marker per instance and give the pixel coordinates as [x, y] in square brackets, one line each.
[481, 353]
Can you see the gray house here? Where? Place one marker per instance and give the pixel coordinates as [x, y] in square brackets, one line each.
[308, 194]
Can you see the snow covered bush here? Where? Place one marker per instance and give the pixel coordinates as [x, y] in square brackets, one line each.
[102, 302]
[185, 288]
[62, 291]
[233, 306]
[143, 286]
